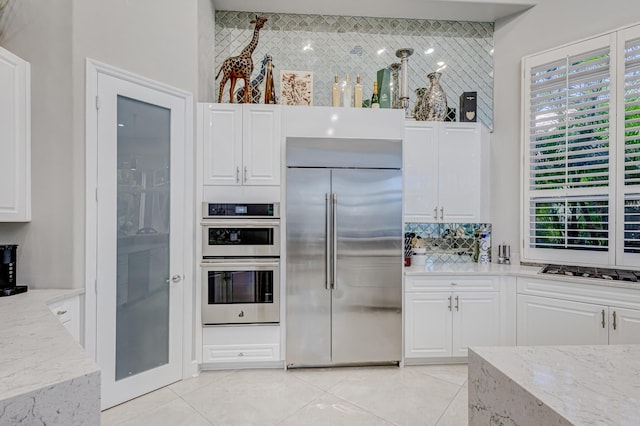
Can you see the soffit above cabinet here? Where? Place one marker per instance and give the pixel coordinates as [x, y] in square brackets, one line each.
[456, 10]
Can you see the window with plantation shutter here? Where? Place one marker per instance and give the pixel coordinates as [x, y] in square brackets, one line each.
[632, 146]
[567, 131]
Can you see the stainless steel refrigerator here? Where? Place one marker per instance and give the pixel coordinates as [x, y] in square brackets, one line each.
[344, 258]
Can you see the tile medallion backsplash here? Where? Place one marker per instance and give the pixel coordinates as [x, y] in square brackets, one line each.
[330, 45]
[449, 242]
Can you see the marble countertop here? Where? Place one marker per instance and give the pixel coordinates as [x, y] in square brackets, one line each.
[582, 384]
[516, 270]
[36, 350]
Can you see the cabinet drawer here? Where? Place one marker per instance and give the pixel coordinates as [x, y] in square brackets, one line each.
[240, 353]
[62, 310]
[451, 283]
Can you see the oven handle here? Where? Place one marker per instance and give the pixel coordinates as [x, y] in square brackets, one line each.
[240, 223]
[227, 264]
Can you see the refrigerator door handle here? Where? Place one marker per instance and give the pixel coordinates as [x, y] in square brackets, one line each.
[327, 239]
[334, 282]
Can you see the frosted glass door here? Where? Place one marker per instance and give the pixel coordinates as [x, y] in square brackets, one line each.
[140, 231]
[143, 178]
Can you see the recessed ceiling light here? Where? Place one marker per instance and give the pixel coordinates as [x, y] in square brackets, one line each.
[381, 51]
[120, 125]
[429, 51]
[440, 63]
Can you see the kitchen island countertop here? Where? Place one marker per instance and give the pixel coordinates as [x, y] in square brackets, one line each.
[45, 375]
[555, 385]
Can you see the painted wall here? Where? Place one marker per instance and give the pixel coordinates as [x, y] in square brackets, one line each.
[550, 24]
[206, 51]
[154, 38]
[40, 32]
[157, 39]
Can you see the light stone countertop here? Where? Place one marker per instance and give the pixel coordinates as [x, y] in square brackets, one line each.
[561, 384]
[515, 270]
[36, 351]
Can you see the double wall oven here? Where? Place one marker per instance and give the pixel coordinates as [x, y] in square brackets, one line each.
[240, 263]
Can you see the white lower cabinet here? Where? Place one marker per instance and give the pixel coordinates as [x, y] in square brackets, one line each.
[569, 313]
[240, 344]
[68, 313]
[441, 323]
[546, 321]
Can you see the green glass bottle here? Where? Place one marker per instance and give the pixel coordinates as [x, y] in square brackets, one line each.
[375, 99]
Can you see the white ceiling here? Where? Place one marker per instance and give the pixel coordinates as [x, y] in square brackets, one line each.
[456, 10]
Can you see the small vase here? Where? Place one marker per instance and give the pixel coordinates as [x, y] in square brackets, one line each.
[434, 102]
[417, 109]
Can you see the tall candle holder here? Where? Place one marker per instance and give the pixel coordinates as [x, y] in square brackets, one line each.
[404, 54]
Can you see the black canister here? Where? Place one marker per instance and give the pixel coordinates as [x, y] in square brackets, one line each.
[8, 266]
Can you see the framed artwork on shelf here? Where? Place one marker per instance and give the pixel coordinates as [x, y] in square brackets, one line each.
[296, 87]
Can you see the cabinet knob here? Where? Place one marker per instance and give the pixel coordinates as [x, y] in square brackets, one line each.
[176, 278]
[240, 353]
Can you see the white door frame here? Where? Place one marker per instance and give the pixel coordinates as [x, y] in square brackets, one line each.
[92, 70]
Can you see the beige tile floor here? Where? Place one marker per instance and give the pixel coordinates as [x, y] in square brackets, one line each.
[371, 396]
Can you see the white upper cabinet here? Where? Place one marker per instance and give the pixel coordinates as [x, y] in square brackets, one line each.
[446, 172]
[241, 144]
[15, 138]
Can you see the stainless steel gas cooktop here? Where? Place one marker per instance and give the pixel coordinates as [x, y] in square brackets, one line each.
[588, 272]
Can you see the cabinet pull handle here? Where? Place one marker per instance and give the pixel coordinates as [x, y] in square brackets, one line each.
[237, 174]
[614, 320]
[441, 213]
[65, 311]
[240, 353]
[245, 174]
[435, 213]
[449, 302]
[457, 303]
[603, 323]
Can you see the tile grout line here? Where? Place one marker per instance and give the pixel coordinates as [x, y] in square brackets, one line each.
[449, 405]
[231, 373]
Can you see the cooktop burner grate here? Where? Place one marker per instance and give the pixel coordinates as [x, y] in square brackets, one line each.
[587, 272]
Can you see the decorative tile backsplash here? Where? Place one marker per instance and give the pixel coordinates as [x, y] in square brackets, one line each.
[330, 45]
[449, 242]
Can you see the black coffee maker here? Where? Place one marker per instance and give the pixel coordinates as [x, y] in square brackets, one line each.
[8, 271]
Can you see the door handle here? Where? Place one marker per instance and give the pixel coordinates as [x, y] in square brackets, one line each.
[237, 174]
[603, 323]
[334, 284]
[245, 174]
[614, 320]
[327, 239]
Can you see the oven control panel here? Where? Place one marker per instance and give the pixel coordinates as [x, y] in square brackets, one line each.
[244, 210]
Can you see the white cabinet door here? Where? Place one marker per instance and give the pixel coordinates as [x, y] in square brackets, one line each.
[476, 320]
[546, 321]
[222, 139]
[15, 138]
[459, 173]
[624, 326]
[445, 172]
[261, 145]
[427, 325]
[420, 162]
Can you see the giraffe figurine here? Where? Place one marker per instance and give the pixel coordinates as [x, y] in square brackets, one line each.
[255, 84]
[240, 66]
